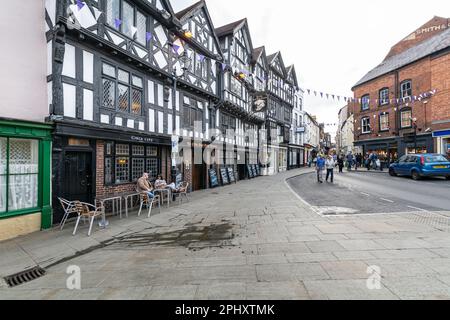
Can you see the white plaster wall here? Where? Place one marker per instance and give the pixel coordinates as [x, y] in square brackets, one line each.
[23, 60]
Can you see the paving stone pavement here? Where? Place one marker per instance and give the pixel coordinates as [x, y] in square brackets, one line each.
[252, 240]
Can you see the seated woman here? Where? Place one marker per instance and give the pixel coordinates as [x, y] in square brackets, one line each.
[160, 183]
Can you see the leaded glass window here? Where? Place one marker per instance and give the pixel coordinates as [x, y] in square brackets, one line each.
[138, 168]
[141, 25]
[112, 12]
[127, 162]
[108, 170]
[127, 19]
[122, 149]
[123, 98]
[138, 150]
[122, 169]
[136, 101]
[152, 151]
[109, 94]
[152, 166]
[124, 76]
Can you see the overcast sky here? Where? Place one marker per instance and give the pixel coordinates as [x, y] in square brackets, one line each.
[331, 43]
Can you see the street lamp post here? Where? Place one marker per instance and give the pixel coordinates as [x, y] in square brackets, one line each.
[415, 135]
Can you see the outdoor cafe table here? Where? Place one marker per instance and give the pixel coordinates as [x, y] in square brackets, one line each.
[161, 191]
[115, 199]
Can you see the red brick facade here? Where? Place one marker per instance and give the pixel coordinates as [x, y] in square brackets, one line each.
[432, 113]
[102, 189]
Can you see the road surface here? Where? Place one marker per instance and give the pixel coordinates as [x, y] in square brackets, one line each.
[372, 192]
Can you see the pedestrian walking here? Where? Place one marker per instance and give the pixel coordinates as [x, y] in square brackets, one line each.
[320, 166]
[349, 161]
[340, 162]
[330, 164]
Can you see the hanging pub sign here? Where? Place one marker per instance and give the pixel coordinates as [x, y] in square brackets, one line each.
[260, 104]
[213, 180]
[250, 171]
[224, 175]
[231, 176]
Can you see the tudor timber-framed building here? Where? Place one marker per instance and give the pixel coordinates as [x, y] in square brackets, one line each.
[110, 76]
[238, 92]
[281, 98]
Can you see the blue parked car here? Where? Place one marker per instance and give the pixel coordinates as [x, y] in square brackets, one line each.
[421, 165]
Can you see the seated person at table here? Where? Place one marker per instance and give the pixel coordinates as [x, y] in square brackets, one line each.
[160, 183]
[144, 186]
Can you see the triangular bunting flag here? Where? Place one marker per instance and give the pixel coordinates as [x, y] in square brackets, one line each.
[80, 4]
[175, 48]
[117, 23]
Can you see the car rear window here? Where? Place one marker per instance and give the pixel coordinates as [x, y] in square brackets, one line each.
[437, 158]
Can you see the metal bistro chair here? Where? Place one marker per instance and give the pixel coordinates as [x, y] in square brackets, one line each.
[183, 191]
[149, 202]
[89, 211]
[69, 208]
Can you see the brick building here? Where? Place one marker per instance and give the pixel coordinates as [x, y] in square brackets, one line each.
[396, 110]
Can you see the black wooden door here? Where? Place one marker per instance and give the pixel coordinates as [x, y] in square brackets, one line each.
[77, 180]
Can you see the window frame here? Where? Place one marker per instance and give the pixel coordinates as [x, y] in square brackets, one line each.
[131, 88]
[11, 213]
[114, 156]
[383, 102]
[368, 124]
[365, 98]
[385, 114]
[410, 118]
[135, 15]
[193, 112]
[404, 82]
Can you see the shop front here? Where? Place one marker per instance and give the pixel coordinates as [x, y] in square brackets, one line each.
[390, 150]
[25, 177]
[296, 157]
[442, 142]
[90, 163]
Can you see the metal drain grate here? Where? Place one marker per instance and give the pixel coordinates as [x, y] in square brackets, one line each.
[24, 276]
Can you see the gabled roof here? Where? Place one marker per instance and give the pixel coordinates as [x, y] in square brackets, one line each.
[271, 59]
[437, 43]
[257, 54]
[187, 13]
[230, 28]
[289, 70]
[183, 13]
